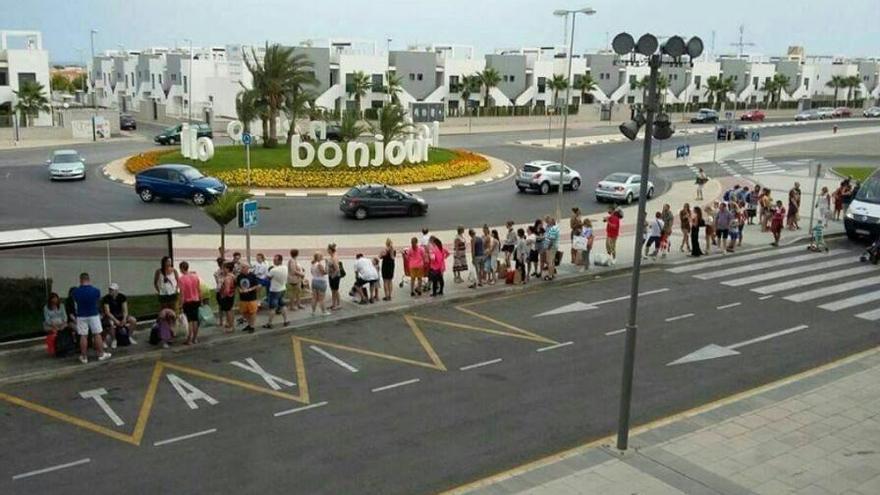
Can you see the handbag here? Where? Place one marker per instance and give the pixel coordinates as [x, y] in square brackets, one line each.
[579, 243]
[206, 315]
[341, 270]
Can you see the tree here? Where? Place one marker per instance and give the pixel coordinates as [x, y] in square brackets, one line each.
[718, 89]
[360, 85]
[557, 83]
[297, 104]
[247, 107]
[851, 83]
[837, 82]
[489, 79]
[645, 82]
[780, 82]
[769, 89]
[393, 87]
[60, 83]
[80, 82]
[31, 101]
[391, 123]
[585, 84]
[350, 126]
[468, 85]
[224, 210]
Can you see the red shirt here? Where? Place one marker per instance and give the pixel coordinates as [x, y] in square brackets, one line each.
[612, 226]
[189, 287]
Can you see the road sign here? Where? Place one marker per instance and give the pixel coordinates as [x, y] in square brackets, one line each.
[728, 115]
[246, 138]
[756, 136]
[248, 216]
[683, 151]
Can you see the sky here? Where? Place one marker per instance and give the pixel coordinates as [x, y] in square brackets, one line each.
[823, 27]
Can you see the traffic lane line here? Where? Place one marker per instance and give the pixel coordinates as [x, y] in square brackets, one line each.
[50, 469]
[184, 437]
[728, 306]
[615, 332]
[396, 385]
[679, 317]
[480, 365]
[299, 409]
[555, 346]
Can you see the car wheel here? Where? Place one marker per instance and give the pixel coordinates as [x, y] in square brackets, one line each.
[415, 211]
[629, 198]
[650, 193]
[360, 213]
[599, 200]
[199, 199]
[575, 184]
[146, 195]
[521, 189]
[545, 188]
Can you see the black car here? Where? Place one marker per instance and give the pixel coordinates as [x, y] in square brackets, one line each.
[127, 123]
[736, 133]
[705, 116]
[171, 135]
[334, 133]
[373, 200]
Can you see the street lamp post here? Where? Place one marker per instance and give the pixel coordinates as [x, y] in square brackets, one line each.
[92, 34]
[189, 83]
[566, 13]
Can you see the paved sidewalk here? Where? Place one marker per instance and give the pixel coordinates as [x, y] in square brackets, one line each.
[58, 143]
[814, 433]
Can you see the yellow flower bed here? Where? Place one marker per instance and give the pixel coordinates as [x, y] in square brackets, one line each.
[465, 163]
[145, 160]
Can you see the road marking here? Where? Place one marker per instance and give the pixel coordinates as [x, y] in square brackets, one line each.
[395, 385]
[714, 351]
[735, 259]
[184, 437]
[764, 298]
[788, 271]
[764, 265]
[51, 468]
[273, 381]
[872, 315]
[443, 188]
[298, 409]
[333, 358]
[98, 396]
[189, 392]
[582, 306]
[615, 332]
[555, 346]
[679, 317]
[479, 365]
[833, 289]
[852, 301]
[726, 306]
[814, 279]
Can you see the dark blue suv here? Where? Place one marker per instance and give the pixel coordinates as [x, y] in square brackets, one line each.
[179, 182]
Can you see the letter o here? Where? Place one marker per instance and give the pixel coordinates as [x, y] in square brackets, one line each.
[322, 154]
[395, 152]
[234, 130]
[204, 149]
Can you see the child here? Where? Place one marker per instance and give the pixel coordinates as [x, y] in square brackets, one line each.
[163, 330]
[587, 233]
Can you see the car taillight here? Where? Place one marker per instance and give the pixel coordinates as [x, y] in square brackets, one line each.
[353, 201]
[537, 176]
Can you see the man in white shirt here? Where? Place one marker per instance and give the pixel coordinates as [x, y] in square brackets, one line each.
[655, 231]
[277, 276]
[260, 269]
[365, 273]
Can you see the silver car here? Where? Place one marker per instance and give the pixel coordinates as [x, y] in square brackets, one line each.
[542, 175]
[621, 187]
[873, 112]
[66, 165]
[808, 115]
[826, 112]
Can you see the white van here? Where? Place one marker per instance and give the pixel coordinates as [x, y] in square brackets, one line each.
[862, 218]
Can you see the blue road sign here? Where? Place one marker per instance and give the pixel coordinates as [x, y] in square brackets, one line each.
[683, 151]
[728, 115]
[248, 215]
[246, 138]
[756, 136]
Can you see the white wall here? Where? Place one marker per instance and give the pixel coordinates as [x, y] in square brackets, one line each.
[34, 61]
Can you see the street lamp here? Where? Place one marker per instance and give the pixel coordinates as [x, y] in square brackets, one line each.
[673, 50]
[189, 84]
[566, 13]
[92, 34]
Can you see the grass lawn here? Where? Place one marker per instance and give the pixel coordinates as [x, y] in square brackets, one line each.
[227, 158]
[857, 173]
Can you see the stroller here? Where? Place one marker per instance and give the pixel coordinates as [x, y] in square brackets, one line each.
[872, 253]
[817, 244]
[405, 279]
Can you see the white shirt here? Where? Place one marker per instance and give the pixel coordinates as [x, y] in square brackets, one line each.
[656, 227]
[277, 278]
[365, 270]
[261, 269]
[426, 239]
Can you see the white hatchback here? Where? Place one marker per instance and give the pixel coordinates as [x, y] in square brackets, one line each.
[543, 175]
[621, 187]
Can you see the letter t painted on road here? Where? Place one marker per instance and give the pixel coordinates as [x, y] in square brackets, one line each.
[98, 396]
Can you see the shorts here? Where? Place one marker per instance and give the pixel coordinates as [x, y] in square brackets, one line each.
[334, 283]
[191, 310]
[248, 308]
[359, 282]
[88, 324]
[655, 240]
[722, 233]
[321, 285]
[276, 299]
[533, 256]
[479, 261]
[489, 263]
[507, 248]
[734, 234]
[168, 300]
[416, 272]
[225, 303]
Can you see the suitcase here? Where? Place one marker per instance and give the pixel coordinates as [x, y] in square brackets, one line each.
[558, 259]
[65, 343]
[509, 277]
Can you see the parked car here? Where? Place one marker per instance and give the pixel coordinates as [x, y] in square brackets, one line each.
[173, 181]
[334, 133]
[705, 116]
[825, 112]
[872, 113]
[543, 175]
[808, 115]
[862, 217]
[736, 133]
[373, 200]
[171, 135]
[66, 165]
[127, 123]
[841, 112]
[753, 116]
[621, 187]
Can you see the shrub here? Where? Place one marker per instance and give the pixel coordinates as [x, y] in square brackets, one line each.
[145, 160]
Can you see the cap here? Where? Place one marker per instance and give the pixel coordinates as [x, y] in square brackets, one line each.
[114, 286]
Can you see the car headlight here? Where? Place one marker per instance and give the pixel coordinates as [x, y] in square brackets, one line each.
[422, 201]
[849, 214]
[212, 190]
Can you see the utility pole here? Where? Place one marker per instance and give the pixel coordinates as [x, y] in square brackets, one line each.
[92, 34]
[741, 44]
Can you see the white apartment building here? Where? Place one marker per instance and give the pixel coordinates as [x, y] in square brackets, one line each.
[22, 59]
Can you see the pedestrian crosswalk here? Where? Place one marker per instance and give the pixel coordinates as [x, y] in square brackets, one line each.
[835, 281]
[759, 166]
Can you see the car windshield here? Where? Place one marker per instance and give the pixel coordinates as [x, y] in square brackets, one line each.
[869, 191]
[617, 178]
[191, 173]
[530, 168]
[66, 158]
[170, 130]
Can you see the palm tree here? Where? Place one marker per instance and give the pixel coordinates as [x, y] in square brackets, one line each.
[769, 88]
[851, 83]
[557, 83]
[718, 89]
[350, 126]
[585, 84]
[645, 82]
[297, 104]
[393, 87]
[781, 81]
[468, 85]
[836, 82]
[391, 123]
[360, 85]
[489, 79]
[247, 107]
[225, 209]
[31, 101]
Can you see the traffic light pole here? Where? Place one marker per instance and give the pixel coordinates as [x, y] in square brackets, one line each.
[631, 325]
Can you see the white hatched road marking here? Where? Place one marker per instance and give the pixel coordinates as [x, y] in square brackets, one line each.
[298, 409]
[788, 271]
[333, 358]
[395, 385]
[51, 468]
[768, 337]
[833, 289]
[185, 437]
[480, 365]
[852, 301]
[764, 265]
[815, 279]
[873, 315]
[734, 259]
[555, 346]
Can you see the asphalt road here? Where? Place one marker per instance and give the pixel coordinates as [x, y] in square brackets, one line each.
[474, 390]
[23, 182]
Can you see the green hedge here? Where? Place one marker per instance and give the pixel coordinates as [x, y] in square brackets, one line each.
[21, 307]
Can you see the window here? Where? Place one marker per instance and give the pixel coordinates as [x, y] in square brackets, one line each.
[419, 76]
[632, 79]
[630, 99]
[132, 77]
[697, 80]
[736, 77]
[512, 78]
[542, 85]
[453, 80]
[412, 77]
[185, 84]
[160, 78]
[153, 80]
[806, 83]
[4, 76]
[173, 77]
[755, 82]
[126, 79]
[504, 78]
[377, 83]
[26, 77]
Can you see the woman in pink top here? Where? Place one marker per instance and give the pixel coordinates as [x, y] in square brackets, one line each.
[415, 263]
[190, 292]
[438, 255]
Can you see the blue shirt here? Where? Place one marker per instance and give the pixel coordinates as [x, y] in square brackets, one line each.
[553, 237]
[87, 298]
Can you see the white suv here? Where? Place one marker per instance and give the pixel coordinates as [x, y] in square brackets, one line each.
[544, 175]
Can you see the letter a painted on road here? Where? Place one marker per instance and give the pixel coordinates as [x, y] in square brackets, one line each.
[189, 392]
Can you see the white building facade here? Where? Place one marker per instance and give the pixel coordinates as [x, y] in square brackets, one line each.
[22, 60]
